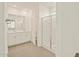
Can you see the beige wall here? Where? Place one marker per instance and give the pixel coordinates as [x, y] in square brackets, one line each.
[3, 41]
[67, 29]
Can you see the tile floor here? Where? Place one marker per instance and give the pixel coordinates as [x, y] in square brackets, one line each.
[29, 50]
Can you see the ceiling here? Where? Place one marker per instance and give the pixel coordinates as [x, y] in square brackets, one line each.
[21, 5]
[24, 5]
[48, 4]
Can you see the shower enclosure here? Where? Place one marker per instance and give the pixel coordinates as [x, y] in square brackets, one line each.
[49, 32]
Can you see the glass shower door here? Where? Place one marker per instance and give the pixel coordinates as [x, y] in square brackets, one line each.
[46, 32]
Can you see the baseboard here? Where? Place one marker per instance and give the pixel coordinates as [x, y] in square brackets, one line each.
[19, 44]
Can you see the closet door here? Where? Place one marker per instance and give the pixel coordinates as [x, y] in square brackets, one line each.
[46, 32]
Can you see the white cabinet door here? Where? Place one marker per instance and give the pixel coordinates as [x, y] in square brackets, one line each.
[46, 31]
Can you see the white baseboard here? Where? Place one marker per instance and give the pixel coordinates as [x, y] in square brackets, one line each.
[18, 44]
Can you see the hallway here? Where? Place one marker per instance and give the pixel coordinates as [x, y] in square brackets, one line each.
[29, 50]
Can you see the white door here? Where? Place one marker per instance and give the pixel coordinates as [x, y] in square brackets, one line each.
[46, 32]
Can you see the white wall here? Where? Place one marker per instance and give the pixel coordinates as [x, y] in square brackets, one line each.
[67, 43]
[3, 41]
[35, 19]
[27, 14]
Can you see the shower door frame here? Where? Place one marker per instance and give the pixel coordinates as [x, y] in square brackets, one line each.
[51, 38]
[50, 30]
